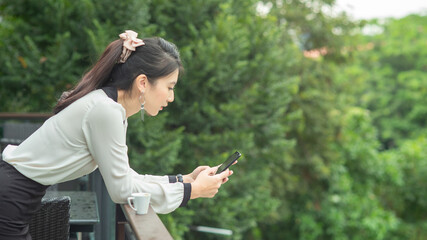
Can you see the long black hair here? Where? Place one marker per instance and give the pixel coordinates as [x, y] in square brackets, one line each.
[156, 59]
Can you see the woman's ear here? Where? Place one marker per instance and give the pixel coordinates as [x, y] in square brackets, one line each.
[141, 82]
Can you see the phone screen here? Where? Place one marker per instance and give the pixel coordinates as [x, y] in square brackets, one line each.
[230, 160]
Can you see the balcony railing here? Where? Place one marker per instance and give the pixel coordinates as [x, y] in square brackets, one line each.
[131, 226]
[25, 116]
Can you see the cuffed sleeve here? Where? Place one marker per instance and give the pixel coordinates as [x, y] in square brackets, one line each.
[187, 194]
[172, 178]
[165, 197]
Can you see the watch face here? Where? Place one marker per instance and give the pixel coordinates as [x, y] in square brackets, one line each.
[179, 176]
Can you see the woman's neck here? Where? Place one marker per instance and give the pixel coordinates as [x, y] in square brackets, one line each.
[129, 103]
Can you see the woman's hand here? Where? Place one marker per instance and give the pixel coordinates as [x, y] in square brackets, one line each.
[189, 178]
[207, 182]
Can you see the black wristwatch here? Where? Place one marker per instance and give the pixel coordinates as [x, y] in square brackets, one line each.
[180, 179]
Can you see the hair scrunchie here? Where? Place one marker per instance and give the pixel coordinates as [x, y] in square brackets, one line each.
[130, 42]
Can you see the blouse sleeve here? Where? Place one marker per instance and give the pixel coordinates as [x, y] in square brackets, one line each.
[152, 178]
[105, 135]
[160, 179]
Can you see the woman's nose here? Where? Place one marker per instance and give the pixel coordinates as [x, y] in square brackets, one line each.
[171, 97]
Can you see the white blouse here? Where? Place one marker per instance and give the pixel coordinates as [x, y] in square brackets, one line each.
[91, 133]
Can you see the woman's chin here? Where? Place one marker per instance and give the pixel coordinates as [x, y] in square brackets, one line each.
[152, 114]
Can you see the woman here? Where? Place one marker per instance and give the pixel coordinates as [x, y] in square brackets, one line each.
[88, 131]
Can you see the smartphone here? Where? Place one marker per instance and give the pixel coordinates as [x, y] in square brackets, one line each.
[230, 160]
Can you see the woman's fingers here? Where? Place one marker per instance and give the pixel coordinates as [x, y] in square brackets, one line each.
[197, 171]
[201, 168]
[212, 171]
[208, 184]
[224, 174]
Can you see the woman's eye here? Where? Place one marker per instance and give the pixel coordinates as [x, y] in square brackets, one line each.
[171, 89]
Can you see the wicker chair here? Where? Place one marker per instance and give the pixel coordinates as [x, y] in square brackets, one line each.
[51, 221]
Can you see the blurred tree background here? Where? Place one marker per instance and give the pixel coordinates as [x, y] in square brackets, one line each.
[330, 120]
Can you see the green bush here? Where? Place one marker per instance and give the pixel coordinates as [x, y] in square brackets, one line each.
[333, 147]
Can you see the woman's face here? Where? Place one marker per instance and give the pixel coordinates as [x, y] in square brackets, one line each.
[159, 94]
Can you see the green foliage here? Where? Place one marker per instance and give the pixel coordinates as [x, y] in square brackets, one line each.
[31, 71]
[222, 102]
[390, 72]
[394, 79]
[333, 147]
[150, 140]
[410, 185]
[45, 53]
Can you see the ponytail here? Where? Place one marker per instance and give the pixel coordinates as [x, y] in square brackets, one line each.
[95, 78]
[156, 59]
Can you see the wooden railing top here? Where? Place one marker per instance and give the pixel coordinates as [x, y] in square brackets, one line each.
[146, 226]
[25, 116]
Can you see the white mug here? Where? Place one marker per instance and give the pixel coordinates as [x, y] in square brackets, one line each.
[141, 202]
